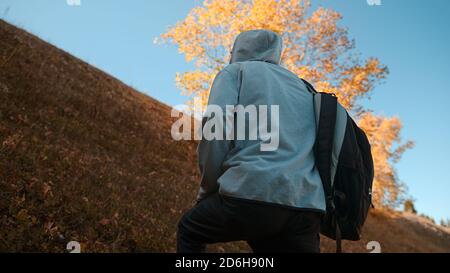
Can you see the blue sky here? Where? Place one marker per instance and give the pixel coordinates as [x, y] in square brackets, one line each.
[410, 36]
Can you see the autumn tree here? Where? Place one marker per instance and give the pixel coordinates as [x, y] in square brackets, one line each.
[316, 48]
[409, 206]
[445, 223]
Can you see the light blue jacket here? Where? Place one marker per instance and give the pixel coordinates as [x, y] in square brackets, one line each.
[238, 168]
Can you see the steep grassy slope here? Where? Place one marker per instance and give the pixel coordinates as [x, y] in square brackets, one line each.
[84, 157]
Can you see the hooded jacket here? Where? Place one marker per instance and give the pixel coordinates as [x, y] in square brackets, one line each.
[284, 176]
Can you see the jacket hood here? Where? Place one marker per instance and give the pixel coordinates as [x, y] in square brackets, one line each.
[257, 45]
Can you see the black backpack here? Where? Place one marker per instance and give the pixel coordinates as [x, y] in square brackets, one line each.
[344, 161]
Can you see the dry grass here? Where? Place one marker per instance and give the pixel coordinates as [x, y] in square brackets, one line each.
[84, 157]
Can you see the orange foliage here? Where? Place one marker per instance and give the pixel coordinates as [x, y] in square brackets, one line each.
[384, 136]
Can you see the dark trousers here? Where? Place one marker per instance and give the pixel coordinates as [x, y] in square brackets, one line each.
[265, 227]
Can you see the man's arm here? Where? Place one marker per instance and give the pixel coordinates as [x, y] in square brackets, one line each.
[212, 153]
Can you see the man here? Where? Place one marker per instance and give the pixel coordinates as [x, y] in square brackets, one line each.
[272, 199]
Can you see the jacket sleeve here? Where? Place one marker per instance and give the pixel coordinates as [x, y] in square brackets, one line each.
[212, 153]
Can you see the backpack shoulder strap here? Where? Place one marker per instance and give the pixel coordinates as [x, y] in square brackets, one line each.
[309, 87]
[323, 150]
[323, 147]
